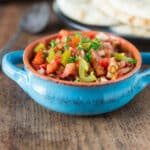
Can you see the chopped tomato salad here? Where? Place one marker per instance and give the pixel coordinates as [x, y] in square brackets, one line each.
[82, 57]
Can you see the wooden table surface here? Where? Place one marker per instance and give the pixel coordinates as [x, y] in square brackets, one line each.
[24, 125]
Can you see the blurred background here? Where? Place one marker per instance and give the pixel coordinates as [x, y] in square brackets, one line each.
[12, 12]
[73, 14]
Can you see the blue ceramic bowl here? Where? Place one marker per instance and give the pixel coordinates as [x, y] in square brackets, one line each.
[76, 98]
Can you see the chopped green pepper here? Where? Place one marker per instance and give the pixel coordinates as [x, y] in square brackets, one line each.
[119, 56]
[59, 51]
[78, 34]
[51, 55]
[83, 69]
[65, 57]
[77, 80]
[53, 44]
[39, 47]
[85, 40]
[86, 46]
[131, 60]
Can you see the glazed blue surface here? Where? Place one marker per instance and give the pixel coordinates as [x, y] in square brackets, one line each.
[73, 99]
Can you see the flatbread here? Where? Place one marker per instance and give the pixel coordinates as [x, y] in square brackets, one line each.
[85, 11]
[131, 31]
[131, 12]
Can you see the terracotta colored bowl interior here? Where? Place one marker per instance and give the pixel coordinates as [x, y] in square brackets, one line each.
[126, 45]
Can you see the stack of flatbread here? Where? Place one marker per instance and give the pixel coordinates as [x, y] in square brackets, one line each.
[128, 17]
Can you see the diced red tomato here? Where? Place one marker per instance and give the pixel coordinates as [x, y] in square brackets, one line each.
[91, 34]
[56, 48]
[104, 62]
[37, 67]
[62, 34]
[52, 67]
[43, 66]
[99, 70]
[58, 61]
[60, 46]
[73, 43]
[58, 58]
[76, 40]
[73, 51]
[70, 69]
[129, 65]
[77, 63]
[38, 59]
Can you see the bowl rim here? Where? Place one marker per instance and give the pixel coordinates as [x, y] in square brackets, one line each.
[45, 39]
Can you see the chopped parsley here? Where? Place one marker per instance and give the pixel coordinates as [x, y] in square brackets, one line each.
[87, 56]
[44, 54]
[66, 46]
[95, 44]
[72, 59]
[87, 44]
[67, 38]
[84, 44]
[78, 34]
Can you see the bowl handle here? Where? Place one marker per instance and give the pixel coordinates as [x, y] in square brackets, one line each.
[144, 76]
[10, 68]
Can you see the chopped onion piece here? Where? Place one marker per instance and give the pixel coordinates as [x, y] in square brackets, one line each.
[82, 53]
[57, 40]
[103, 79]
[41, 71]
[109, 75]
[122, 64]
[101, 53]
[102, 36]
